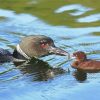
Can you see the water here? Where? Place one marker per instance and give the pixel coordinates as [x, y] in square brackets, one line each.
[73, 25]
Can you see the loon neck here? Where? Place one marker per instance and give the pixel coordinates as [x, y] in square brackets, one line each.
[20, 54]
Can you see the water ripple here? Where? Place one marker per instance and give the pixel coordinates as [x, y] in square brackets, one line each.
[78, 7]
[90, 18]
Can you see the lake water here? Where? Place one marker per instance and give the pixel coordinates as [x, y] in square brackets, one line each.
[73, 25]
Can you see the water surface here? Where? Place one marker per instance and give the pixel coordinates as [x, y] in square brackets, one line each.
[73, 25]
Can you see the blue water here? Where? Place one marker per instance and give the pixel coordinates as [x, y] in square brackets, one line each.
[27, 83]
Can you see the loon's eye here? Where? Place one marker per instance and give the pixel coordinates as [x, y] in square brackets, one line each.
[43, 44]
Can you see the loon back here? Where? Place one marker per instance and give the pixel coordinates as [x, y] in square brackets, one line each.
[5, 56]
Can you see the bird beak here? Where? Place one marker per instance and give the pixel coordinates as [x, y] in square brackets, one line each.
[57, 51]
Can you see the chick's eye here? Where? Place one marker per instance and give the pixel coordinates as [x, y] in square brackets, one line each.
[75, 55]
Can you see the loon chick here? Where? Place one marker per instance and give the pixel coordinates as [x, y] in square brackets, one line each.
[82, 63]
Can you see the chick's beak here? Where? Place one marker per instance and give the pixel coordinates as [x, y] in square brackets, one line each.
[57, 51]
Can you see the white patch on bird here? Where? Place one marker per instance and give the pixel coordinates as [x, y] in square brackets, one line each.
[22, 52]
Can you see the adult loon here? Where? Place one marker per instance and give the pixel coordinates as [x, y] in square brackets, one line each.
[32, 46]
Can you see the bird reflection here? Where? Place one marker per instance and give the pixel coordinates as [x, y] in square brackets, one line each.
[39, 70]
[80, 75]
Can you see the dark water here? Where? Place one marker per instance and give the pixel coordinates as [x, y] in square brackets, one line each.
[73, 25]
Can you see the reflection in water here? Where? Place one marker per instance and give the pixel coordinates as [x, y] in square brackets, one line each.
[6, 13]
[80, 9]
[90, 18]
[80, 75]
[17, 17]
[39, 70]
